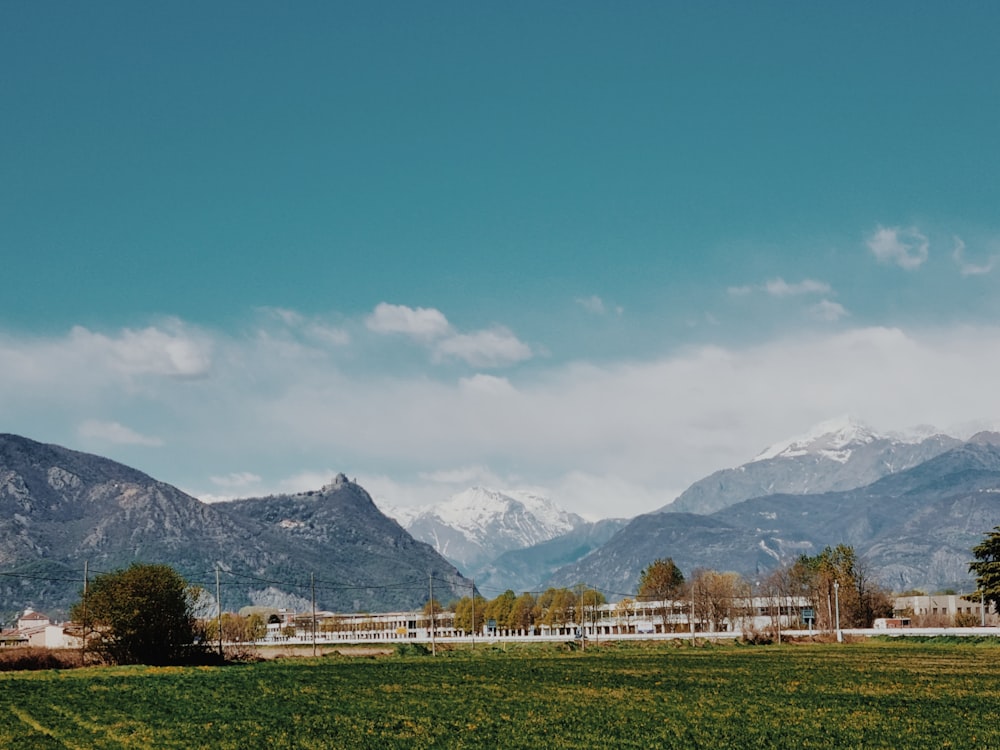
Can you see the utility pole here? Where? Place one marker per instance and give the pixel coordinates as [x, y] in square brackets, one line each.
[83, 625]
[312, 586]
[218, 600]
[474, 614]
[836, 594]
[430, 579]
[692, 612]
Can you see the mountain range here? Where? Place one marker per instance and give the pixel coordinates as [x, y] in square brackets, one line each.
[911, 529]
[839, 454]
[912, 506]
[60, 508]
[742, 518]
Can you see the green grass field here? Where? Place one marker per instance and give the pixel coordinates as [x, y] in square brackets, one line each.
[873, 695]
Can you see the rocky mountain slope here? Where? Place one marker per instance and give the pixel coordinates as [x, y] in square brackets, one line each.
[527, 569]
[59, 508]
[837, 455]
[914, 528]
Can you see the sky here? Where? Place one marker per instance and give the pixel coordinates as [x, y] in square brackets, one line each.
[593, 250]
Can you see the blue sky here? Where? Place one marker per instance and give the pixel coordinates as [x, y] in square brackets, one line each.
[591, 249]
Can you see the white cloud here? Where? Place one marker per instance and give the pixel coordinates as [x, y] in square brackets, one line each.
[114, 432]
[494, 347]
[596, 305]
[236, 479]
[970, 269]
[464, 476]
[171, 351]
[421, 323]
[491, 347]
[609, 439]
[780, 288]
[313, 328]
[592, 304]
[827, 310]
[906, 247]
[487, 385]
[327, 334]
[290, 318]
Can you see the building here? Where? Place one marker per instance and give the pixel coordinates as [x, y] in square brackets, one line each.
[942, 610]
[35, 629]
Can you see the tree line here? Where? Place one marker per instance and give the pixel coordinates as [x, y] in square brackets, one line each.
[145, 613]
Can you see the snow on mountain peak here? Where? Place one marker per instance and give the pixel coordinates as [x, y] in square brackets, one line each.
[478, 507]
[834, 439]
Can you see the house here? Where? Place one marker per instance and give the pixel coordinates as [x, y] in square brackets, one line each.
[35, 629]
[942, 610]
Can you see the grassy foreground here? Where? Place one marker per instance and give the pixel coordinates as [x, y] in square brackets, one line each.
[873, 695]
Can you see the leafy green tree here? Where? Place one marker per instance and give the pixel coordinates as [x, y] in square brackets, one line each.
[139, 615]
[556, 607]
[986, 566]
[499, 609]
[522, 615]
[464, 612]
[661, 581]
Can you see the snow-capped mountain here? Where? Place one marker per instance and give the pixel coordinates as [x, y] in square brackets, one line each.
[911, 528]
[477, 525]
[836, 455]
[835, 439]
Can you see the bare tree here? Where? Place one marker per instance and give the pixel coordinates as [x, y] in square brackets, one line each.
[718, 598]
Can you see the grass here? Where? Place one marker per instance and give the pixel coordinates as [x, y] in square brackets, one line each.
[872, 695]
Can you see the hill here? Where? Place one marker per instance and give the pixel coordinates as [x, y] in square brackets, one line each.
[59, 508]
[914, 528]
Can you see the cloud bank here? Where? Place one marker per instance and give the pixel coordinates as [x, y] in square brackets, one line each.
[254, 413]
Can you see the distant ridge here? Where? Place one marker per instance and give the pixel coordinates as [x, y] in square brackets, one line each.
[60, 507]
[836, 455]
[913, 528]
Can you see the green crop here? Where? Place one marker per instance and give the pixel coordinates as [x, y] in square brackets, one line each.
[873, 695]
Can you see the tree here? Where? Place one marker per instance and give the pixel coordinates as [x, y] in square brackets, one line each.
[986, 566]
[464, 611]
[661, 581]
[861, 598]
[556, 607]
[140, 615]
[590, 602]
[499, 609]
[718, 598]
[522, 613]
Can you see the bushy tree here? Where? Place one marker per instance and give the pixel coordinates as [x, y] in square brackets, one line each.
[464, 612]
[140, 615]
[861, 598]
[522, 613]
[235, 628]
[661, 581]
[499, 609]
[986, 566]
[556, 607]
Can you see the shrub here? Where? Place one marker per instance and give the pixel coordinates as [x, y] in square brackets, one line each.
[412, 649]
[31, 657]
